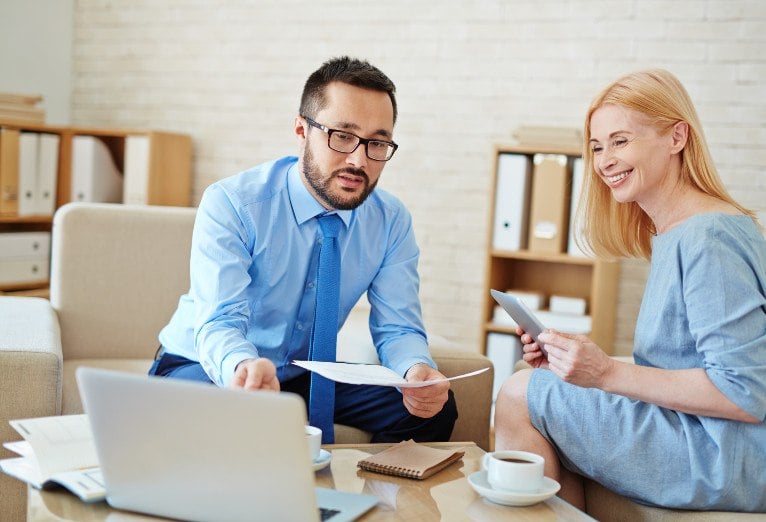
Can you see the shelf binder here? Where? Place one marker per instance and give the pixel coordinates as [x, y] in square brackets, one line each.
[24, 257]
[95, 177]
[137, 150]
[549, 209]
[28, 173]
[504, 350]
[47, 173]
[15, 245]
[24, 271]
[578, 167]
[511, 202]
[38, 173]
[9, 172]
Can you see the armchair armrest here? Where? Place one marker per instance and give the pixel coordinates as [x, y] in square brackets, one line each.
[30, 359]
[30, 379]
[473, 395]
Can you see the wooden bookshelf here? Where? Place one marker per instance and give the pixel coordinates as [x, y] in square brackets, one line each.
[165, 171]
[549, 273]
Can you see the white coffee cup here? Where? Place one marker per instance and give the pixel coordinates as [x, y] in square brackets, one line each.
[514, 470]
[314, 438]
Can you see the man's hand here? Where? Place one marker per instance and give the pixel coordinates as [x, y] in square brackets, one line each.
[427, 401]
[255, 374]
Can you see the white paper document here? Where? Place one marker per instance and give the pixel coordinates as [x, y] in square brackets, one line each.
[57, 450]
[371, 374]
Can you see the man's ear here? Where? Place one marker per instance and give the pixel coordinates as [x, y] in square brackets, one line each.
[300, 129]
[680, 135]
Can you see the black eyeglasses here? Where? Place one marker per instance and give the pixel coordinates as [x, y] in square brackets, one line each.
[346, 142]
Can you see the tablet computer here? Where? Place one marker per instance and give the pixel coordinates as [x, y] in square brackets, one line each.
[521, 314]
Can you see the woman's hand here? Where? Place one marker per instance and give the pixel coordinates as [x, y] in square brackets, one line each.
[531, 352]
[575, 358]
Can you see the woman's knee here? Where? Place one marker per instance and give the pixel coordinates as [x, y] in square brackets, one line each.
[514, 389]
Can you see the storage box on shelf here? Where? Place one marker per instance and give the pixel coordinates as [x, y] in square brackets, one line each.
[43, 167]
[535, 192]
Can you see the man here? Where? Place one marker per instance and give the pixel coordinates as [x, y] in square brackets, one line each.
[255, 258]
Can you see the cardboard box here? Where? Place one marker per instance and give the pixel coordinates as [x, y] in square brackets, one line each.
[568, 305]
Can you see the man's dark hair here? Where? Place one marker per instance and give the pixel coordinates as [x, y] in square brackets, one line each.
[358, 73]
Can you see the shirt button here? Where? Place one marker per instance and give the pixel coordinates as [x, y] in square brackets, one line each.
[299, 326]
[310, 284]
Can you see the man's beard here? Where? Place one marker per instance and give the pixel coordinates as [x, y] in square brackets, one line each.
[322, 188]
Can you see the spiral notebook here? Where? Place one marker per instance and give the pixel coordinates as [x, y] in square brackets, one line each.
[410, 459]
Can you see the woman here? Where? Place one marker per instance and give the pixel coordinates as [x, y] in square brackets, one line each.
[684, 426]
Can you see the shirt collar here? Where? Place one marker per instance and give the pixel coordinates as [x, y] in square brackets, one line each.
[305, 206]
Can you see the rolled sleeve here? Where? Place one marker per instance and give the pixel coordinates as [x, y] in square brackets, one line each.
[729, 321]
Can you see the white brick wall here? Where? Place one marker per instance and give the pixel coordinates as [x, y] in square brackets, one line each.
[230, 74]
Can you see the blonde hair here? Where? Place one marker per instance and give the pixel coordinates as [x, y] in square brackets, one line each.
[612, 229]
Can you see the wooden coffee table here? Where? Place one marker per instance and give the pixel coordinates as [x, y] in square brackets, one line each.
[444, 496]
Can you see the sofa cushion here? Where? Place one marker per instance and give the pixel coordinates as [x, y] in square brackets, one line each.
[70, 399]
[112, 302]
[607, 506]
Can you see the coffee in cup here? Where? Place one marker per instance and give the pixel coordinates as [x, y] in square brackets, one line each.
[314, 439]
[511, 470]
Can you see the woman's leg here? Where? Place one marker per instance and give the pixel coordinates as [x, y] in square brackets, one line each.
[514, 430]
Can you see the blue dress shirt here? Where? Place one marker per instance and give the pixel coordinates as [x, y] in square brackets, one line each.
[255, 249]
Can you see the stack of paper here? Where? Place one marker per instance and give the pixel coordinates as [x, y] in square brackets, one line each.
[21, 108]
[561, 137]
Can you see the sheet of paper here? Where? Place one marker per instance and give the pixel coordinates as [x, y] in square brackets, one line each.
[373, 374]
[20, 447]
[60, 443]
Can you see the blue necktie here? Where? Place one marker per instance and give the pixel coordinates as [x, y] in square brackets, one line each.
[325, 332]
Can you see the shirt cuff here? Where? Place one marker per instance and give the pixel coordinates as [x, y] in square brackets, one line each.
[229, 364]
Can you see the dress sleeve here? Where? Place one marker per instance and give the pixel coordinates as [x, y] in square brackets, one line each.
[723, 286]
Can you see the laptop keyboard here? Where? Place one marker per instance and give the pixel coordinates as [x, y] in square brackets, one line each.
[327, 513]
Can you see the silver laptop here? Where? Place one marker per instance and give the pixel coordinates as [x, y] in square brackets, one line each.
[194, 451]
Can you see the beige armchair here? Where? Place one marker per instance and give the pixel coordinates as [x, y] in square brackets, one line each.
[117, 272]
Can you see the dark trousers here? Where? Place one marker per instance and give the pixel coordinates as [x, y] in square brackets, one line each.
[375, 409]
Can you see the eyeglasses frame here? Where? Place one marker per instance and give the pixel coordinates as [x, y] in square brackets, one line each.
[362, 141]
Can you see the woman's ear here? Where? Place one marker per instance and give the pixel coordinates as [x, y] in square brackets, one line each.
[680, 136]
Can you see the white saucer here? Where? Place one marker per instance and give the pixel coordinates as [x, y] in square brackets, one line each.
[479, 483]
[322, 460]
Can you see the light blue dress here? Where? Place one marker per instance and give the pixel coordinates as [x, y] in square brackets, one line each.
[704, 306]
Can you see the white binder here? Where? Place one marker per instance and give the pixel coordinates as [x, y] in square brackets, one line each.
[24, 271]
[137, 150]
[95, 177]
[15, 245]
[504, 350]
[28, 173]
[578, 166]
[511, 202]
[47, 173]
[24, 257]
